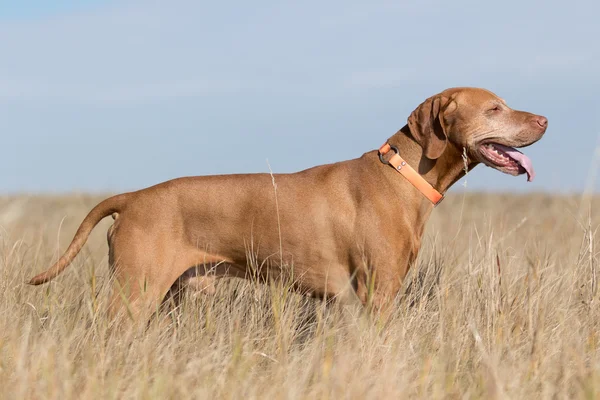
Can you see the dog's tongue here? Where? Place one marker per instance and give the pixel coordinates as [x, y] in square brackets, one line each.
[521, 158]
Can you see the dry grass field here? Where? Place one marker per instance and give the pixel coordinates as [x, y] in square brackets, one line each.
[503, 304]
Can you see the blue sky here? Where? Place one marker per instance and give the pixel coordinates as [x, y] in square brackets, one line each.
[10, 9]
[110, 96]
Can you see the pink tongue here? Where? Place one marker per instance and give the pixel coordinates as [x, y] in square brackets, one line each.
[519, 157]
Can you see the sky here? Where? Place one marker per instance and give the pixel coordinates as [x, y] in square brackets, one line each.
[101, 96]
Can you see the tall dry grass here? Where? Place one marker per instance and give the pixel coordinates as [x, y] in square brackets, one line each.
[504, 304]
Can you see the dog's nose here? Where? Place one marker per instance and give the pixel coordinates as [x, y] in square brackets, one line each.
[542, 121]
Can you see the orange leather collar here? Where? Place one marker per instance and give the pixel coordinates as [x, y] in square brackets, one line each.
[410, 174]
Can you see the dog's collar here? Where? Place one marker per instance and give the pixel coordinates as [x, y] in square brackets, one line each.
[410, 174]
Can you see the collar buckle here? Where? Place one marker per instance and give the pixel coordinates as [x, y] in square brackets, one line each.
[386, 149]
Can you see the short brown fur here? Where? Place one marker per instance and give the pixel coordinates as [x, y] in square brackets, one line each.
[330, 228]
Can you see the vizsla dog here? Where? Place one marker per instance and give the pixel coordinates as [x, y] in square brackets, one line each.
[348, 230]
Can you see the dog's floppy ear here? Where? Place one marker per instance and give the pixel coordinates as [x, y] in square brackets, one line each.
[428, 126]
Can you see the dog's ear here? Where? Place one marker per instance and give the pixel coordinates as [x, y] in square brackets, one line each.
[428, 126]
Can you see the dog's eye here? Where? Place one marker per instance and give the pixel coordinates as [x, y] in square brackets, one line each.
[494, 109]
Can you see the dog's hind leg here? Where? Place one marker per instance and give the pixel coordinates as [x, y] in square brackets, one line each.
[147, 279]
[140, 267]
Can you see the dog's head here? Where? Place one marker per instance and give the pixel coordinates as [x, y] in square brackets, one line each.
[481, 123]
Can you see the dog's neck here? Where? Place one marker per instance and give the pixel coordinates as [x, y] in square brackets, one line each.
[440, 173]
[407, 208]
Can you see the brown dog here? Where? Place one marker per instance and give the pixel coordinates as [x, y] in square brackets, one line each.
[337, 230]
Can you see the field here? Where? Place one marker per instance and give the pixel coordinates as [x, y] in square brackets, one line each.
[504, 303]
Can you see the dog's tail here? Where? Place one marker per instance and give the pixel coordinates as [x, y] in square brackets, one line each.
[114, 204]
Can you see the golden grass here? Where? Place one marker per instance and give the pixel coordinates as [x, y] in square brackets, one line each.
[504, 303]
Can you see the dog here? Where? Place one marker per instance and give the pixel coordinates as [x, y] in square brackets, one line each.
[348, 230]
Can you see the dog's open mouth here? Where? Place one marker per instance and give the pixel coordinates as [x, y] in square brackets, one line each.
[507, 159]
